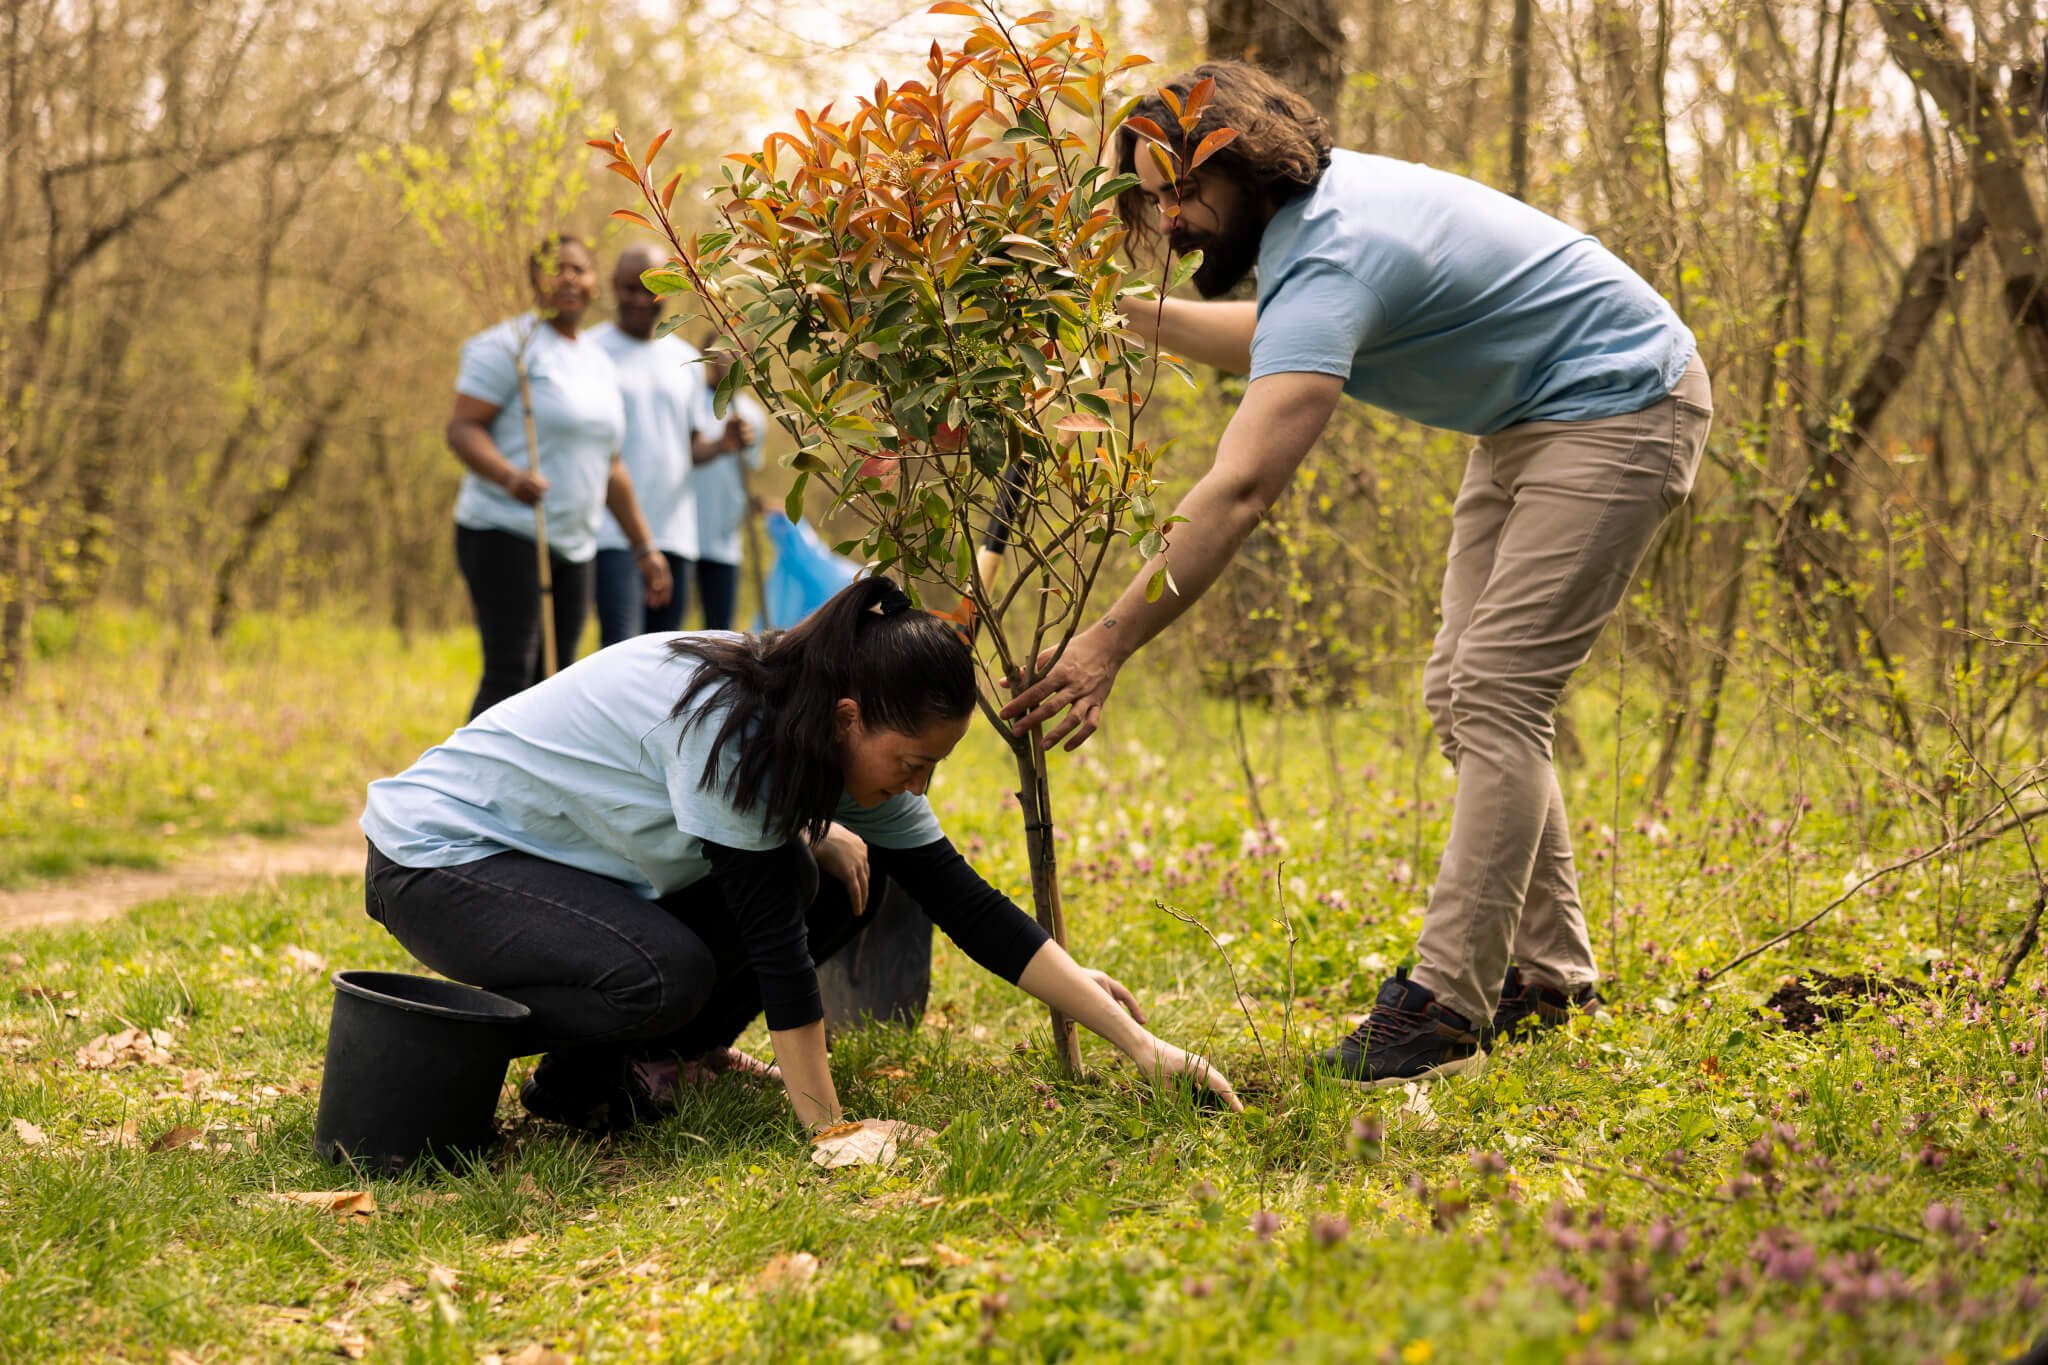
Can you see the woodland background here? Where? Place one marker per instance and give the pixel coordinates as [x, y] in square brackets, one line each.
[227, 355]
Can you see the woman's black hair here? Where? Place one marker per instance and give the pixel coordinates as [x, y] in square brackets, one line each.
[777, 694]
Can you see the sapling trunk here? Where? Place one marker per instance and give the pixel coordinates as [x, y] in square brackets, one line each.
[1035, 796]
[540, 521]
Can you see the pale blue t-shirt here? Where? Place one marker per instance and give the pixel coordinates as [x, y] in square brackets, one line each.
[584, 770]
[579, 419]
[722, 484]
[1455, 305]
[662, 381]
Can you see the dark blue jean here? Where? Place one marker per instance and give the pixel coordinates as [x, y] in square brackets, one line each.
[622, 610]
[718, 587]
[502, 572]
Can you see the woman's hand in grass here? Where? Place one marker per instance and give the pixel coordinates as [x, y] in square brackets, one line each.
[1106, 1007]
[1162, 1063]
[1117, 991]
[844, 854]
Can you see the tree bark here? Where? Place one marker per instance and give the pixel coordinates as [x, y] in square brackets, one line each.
[1300, 41]
[1521, 27]
[1035, 796]
[1969, 98]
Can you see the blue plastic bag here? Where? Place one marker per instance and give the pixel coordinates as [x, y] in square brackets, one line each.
[805, 575]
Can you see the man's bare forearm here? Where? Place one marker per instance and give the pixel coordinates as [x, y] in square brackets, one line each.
[624, 505]
[1266, 441]
[1218, 334]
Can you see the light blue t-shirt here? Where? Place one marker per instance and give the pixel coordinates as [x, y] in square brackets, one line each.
[1455, 305]
[579, 420]
[662, 381]
[722, 484]
[584, 770]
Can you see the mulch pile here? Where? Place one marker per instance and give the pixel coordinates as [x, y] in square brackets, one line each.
[1817, 998]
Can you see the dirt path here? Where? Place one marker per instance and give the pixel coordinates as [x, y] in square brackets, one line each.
[232, 864]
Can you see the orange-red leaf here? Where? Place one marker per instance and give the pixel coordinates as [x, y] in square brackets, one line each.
[629, 216]
[1076, 422]
[601, 144]
[655, 146]
[1211, 145]
[668, 191]
[959, 7]
[1146, 128]
[1163, 162]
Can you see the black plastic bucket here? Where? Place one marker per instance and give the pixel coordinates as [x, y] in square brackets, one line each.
[886, 972]
[414, 1067]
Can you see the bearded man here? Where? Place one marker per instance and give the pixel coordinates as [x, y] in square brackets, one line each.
[1439, 300]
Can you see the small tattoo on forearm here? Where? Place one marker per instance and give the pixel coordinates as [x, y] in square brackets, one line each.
[1109, 623]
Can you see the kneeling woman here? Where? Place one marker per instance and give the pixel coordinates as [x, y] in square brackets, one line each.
[632, 849]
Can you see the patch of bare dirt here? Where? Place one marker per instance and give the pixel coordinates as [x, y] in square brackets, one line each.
[233, 864]
[1818, 998]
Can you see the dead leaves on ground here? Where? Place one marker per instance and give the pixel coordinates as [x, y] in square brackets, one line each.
[30, 1135]
[344, 1204]
[865, 1142]
[129, 1047]
[788, 1270]
[535, 1354]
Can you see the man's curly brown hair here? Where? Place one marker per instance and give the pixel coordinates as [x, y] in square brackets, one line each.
[1281, 150]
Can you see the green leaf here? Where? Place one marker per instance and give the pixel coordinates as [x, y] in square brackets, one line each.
[1184, 269]
[665, 279]
[735, 379]
[1155, 585]
[793, 503]
[1110, 189]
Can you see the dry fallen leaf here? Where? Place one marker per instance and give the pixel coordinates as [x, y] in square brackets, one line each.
[129, 1047]
[342, 1203]
[789, 1270]
[184, 1135]
[401, 1290]
[518, 1246]
[870, 1142]
[305, 958]
[124, 1136]
[1573, 1190]
[946, 1256]
[183, 1358]
[538, 1354]
[352, 1343]
[29, 1134]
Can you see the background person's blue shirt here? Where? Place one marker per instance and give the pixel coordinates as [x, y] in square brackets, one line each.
[579, 420]
[662, 382]
[584, 770]
[722, 484]
[1455, 305]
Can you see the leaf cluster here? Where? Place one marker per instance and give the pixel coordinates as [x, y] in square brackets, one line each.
[930, 292]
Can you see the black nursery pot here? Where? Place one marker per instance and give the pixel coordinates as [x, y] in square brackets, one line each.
[414, 1067]
[885, 974]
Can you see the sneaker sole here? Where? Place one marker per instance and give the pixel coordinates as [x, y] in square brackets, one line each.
[1463, 1066]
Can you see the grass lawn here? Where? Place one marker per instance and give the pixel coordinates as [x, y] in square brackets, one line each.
[122, 749]
[1680, 1178]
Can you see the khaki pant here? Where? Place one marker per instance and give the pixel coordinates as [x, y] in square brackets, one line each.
[1549, 527]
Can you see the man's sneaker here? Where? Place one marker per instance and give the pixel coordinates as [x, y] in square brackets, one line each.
[1407, 1037]
[1522, 1000]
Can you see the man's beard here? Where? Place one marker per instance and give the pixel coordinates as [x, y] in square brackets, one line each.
[1229, 253]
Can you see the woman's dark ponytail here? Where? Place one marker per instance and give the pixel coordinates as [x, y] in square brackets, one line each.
[779, 692]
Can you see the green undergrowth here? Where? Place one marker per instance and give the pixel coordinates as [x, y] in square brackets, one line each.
[124, 748]
[1679, 1178]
